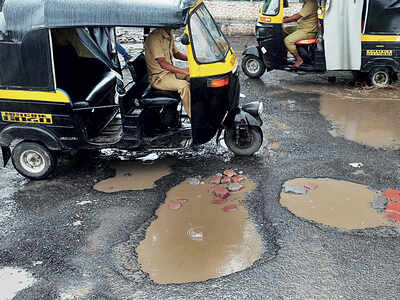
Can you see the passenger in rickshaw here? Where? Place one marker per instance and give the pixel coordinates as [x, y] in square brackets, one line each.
[306, 28]
[160, 49]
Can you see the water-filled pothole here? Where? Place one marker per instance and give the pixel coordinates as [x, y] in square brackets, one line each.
[373, 122]
[197, 238]
[134, 175]
[341, 204]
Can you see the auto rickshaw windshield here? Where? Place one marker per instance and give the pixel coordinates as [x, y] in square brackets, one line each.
[271, 7]
[208, 42]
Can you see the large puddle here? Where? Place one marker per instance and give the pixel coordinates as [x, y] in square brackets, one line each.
[198, 238]
[373, 122]
[340, 204]
[134, 175]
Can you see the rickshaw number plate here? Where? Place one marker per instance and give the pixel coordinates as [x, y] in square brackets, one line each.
[380, 52]
[19, 117]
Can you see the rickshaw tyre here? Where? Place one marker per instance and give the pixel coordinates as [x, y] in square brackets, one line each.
[47, 160]
[229, 138]
[382, 71]
[261, 66]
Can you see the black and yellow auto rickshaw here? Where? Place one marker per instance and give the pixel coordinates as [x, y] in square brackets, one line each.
[61, 88]
[359, 35]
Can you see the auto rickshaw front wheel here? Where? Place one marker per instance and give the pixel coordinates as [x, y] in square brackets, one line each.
[33, 160]
[253, 66]
[380, 77]
[243, 142]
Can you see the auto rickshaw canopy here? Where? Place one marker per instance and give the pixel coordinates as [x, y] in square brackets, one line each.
[32, 14]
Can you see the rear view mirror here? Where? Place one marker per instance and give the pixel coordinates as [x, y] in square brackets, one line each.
[285, 3]
[185, 39]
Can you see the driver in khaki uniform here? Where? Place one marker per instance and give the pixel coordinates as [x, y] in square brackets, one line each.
[160, 48]
[306, 28]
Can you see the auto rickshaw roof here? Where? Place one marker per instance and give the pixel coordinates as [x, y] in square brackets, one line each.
[30, 14]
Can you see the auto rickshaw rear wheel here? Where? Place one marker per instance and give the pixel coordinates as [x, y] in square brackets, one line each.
[33, 160]
[253, 66]
[243, 142]
[380, 76]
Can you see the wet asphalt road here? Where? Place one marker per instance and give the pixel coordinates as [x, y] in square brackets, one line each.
[302, 259]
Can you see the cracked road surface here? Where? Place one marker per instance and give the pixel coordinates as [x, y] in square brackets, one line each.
[67, 240]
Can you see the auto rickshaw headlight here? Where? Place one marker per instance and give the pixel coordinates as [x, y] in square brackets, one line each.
[254, 108]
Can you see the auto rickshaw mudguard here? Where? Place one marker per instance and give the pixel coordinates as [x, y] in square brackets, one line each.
[247, 115]
[252, 50]
[381, 62]
[29, 133]
[6, 152]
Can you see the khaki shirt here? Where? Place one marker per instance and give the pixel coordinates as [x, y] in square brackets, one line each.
[309, 17]
[159, 44]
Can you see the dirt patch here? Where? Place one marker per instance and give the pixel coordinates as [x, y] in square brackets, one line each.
[202, 239]
[336, 203]
[134, 175]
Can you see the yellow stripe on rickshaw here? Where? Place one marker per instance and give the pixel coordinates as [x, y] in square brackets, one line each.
[380, 38]
[59, 96]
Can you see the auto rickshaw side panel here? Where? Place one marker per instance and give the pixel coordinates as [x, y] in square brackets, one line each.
[32, 115]
[28, 98]
[381, 36]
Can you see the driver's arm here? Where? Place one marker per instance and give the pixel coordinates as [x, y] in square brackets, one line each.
[180, 56]
[171, 68]
[291, 19]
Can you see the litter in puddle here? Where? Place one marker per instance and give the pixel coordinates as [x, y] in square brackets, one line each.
[298, 190]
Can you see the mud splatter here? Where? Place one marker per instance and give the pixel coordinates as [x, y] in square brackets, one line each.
[370, 122]
[201, 240]
[134, 175]
[340, 204]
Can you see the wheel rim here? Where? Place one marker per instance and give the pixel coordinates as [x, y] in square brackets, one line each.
[381, 78]
[252, 66]
[32, 161]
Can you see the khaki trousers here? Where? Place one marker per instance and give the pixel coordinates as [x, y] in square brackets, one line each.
[176, 83]
[292, 35]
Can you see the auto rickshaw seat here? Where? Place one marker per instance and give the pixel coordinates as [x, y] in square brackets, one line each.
[307, 42]
[156, 97]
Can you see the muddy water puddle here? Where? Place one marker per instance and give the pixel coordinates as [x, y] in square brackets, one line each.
[134, 175]
[200, 239]
[372, 122]
[341, 204]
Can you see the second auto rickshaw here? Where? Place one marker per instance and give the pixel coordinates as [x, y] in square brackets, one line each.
[61, 88]
[372, 47]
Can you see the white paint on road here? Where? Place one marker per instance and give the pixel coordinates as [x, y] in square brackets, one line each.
[13, 280]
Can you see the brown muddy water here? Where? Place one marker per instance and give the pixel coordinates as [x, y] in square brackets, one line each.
[341, 204]
[134, 175]
[200, 240]
[372, 122]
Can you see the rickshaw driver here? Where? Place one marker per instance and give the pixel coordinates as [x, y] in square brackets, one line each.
[160, 48]
[306, 28]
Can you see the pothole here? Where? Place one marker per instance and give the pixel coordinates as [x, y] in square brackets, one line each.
[341, 204]
[369, 122]
[198, 236]
[134, 175]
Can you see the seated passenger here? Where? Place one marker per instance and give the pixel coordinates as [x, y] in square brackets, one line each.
[306, 28]
[160, 48]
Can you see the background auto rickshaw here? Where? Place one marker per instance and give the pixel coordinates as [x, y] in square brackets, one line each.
[360, 35]
[61, 88]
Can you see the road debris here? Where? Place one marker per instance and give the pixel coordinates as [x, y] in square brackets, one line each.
[194, 181]
[235, 187]
[298, 190]
[311, 186]
[230, 173]
[174, 205]
[226, 180]
[356, 165]
[77, 223]
[84, 202]
[231, 207]
[379, 202]
[216, 179]
[392, 194]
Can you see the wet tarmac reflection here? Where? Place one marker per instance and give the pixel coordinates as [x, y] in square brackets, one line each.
[199, 240]
[372, 122]
[336, 203]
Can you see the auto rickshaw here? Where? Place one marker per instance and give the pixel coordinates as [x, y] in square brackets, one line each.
[376, 41]
[61, 87]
